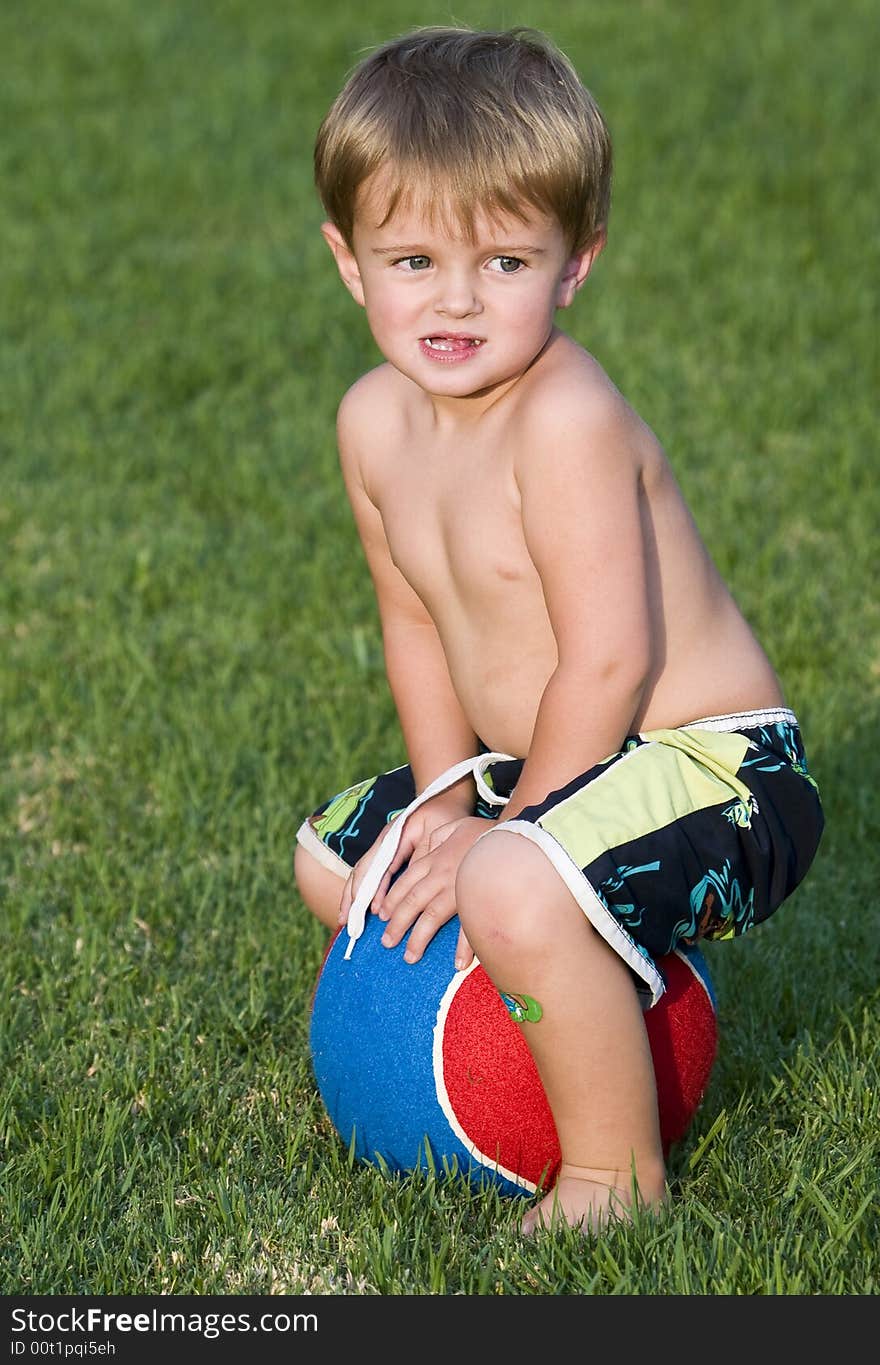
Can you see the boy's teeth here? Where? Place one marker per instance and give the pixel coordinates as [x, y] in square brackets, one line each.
[450, 344]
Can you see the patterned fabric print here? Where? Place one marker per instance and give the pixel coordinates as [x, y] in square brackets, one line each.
[350, 822]
[775, 741]
[709, 867]
[682, 835]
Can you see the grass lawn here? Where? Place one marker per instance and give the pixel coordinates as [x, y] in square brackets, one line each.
[189, 655]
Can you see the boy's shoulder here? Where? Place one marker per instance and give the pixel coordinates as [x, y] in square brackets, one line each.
[572, 403]
[373, 403]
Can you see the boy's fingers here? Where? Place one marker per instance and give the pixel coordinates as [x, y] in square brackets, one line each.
[407, 897]
[401, 854]
[442, 833]
[345, 901]
[350, 890]
[429, 921]
[464, 953]
[411, 855]
[420, 903]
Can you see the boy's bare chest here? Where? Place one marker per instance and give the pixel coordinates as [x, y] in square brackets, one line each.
[452, 522]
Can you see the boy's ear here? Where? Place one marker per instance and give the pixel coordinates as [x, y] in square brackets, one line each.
[577, 269]
[345, 261]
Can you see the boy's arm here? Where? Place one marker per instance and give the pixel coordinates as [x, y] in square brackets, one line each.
[435, 729]
[582, 518]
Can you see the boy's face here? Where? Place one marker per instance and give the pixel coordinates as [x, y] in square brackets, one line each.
[458, 317]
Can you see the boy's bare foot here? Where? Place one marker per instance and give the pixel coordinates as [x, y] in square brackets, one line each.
[584, 1197]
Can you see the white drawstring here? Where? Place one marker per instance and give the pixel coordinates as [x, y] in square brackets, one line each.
[357, 915]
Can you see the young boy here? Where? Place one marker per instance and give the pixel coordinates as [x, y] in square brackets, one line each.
[555, 632]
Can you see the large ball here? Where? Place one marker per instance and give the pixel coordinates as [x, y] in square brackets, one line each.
[420, 1065]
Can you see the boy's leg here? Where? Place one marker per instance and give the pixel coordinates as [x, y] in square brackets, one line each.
[590, 1045]
[340, 832]
[319, 887]
[332, 840]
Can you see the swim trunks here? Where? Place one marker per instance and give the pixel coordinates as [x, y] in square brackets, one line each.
[698, 832]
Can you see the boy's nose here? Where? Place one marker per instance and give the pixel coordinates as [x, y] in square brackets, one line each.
[457, 298]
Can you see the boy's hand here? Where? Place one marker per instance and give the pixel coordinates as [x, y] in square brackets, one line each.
[415, 839]
[423, 897]
[356, 876]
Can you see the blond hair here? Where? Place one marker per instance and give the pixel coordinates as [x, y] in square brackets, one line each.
[465, 120]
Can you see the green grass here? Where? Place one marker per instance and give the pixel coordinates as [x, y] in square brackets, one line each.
[189, 657]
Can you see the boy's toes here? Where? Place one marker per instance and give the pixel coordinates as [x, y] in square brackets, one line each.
[531, 1222]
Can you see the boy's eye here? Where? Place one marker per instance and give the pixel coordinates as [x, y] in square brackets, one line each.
[412, 263]
[506, 265]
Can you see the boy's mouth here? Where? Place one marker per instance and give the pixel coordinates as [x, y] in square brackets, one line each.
[450, 345]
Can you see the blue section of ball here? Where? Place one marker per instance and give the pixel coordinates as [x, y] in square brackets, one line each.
[699, 964]
[372, 1039]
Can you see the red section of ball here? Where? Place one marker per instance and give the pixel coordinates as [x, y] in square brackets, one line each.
[495, 1092]
[493, 1084]
[333, 937]
[683, 1034]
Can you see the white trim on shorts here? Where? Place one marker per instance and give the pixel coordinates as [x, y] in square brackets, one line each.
[584, 893]
[598, 914]
[309, 840]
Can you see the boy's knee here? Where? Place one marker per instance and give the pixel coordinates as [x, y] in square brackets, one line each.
[500, 884]
[319, 888]
[303, 870]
